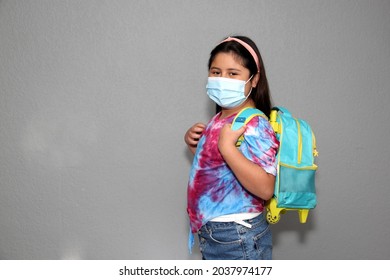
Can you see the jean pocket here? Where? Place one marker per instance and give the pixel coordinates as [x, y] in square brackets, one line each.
[225, 236]
[223, 244]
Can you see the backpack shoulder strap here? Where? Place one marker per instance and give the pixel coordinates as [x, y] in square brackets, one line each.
[244, 116]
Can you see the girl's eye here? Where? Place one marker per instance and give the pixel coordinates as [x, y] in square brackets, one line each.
[215, 73]
[232, 74]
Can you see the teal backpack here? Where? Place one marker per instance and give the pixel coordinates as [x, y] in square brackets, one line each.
[295, 180]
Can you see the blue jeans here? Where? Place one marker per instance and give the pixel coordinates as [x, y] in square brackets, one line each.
[232, 241]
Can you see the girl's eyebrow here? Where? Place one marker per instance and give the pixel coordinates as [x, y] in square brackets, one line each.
[234, 69]
[229, 69]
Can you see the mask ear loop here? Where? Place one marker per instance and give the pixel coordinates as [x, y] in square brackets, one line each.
[250, 89]
[250, 78]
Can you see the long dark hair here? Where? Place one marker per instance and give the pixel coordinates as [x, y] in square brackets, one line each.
[260, 94]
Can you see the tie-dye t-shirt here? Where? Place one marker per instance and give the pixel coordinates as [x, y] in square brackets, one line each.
[213, 190]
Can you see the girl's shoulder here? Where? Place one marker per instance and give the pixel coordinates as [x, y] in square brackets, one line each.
[261, 121]
[259, 130]
[259, 125]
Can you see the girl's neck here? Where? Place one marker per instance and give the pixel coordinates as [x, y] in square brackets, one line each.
[228, 112]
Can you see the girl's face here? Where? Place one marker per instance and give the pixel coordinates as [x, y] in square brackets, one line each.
[227, 65]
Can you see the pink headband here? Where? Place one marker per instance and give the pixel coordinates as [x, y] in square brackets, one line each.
[248, 47]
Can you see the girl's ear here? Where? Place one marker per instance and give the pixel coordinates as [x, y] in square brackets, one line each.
[255, 79]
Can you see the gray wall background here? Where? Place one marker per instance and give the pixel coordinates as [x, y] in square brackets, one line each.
[97, 95]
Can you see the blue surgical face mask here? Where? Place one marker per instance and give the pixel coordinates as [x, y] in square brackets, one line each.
[227, 93]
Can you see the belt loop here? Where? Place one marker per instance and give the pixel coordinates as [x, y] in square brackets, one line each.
[243, 223]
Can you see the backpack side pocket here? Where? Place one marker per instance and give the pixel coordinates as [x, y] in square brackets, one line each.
[297, 186]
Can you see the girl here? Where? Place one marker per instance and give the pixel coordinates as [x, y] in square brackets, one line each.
[228, 185]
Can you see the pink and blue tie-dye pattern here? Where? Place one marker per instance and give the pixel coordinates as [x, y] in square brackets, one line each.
[213, 190]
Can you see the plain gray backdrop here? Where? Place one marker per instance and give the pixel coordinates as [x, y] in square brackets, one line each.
[96, 97]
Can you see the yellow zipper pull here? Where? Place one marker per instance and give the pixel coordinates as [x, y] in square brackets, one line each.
[315, 152]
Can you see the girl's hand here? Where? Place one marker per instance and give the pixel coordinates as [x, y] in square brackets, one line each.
[228, 137]
[192, 136]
